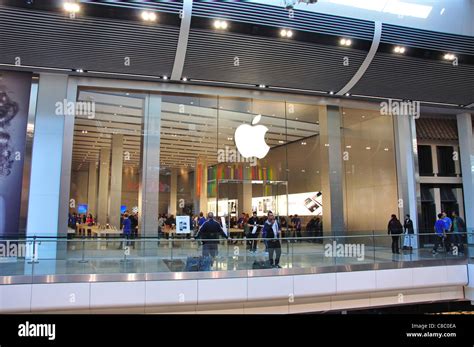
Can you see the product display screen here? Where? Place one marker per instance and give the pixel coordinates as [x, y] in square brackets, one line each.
[82, 208]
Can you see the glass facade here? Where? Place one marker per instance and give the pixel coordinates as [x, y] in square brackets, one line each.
[227, 155]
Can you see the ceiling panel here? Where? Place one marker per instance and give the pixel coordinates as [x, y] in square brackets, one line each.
[275, 62]
[50, 39]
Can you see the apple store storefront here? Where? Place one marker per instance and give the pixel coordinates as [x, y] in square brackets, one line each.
[98, 149]
[155, 153]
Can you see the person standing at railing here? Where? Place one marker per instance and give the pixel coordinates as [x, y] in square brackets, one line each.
[209, 233]
[440, 230]
[127, 229]
[459, 227]
[409, 231]
[448, 229]
[253, 226]
[395, 228]
[271, 230]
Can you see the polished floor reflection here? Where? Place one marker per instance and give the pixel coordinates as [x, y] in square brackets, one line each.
[110, 257]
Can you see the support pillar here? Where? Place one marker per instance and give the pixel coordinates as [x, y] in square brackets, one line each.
[331, 170]
[406, 149]
[92, 190]
[466, 145]
[150, 175]
[116, 171]
[45, 182]
[103, 199]
[173, 192]
[200, 187]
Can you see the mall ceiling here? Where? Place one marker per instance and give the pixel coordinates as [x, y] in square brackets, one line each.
[105, 35]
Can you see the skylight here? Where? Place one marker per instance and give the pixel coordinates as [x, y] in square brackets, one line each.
[401, 8]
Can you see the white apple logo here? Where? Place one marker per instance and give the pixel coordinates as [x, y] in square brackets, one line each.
[250, 139]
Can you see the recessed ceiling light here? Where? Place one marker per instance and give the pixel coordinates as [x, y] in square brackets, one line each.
[331, 93]
[345, 42]
[399, 49]
[286, 33]
[303, 143]
[184, 79]
[347, 94]
[385, 149]
[367, 147]
[71, 7]
[262, 86]
[165, 77]
[148, 16]
[449, 56]
[220, 24]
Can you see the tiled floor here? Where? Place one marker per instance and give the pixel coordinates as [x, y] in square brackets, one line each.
[102, 258]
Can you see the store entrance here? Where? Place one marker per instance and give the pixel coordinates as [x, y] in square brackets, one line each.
[237, 196]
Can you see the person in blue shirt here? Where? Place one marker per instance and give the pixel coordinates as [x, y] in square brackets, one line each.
[440, 230]
[127, 228]
[201, 219]
[448, 222]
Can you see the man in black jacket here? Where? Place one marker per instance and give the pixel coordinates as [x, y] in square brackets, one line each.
[271, 230]
[253, 228]
[408, 226]
[395, 228]
[209, 233]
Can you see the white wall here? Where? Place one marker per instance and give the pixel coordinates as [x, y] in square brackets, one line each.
[272, 294]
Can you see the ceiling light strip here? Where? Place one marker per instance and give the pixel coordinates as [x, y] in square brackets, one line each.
[368, 59]
[182, 40]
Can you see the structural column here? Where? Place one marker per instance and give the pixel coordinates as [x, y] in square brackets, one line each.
[103, 199]
[173, 192]
[244, 195]
[116, 171]
[409, 195]
[150, 175]
[66, 163]
[200, 187]
[331, 170]
[466, 144]
[47, 143]
[92, 190]
[45, 182]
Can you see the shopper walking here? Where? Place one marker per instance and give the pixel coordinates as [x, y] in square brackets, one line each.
[209, 233]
